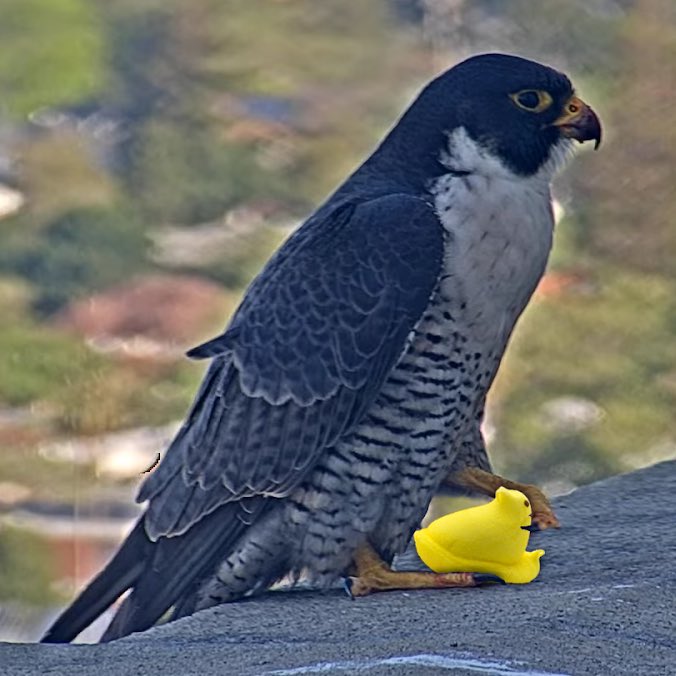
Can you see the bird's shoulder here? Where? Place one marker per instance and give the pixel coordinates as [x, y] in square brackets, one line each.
[349, 285]
[402, 225]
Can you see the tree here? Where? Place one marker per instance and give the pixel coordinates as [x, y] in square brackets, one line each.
[51, 54]
[632, 217]
[80, 251]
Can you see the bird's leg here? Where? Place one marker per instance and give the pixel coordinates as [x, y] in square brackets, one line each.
[479, 480]
[372, 574]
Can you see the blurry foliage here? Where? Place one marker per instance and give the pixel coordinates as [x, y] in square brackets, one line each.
[246, 256]
[190, 178]
[137, 129]
[81, 251]
[610, 343]
[51, 53]
[300, 44]
[16, 296]
[127, 396]
[101, 402]
[630, 214]
[48, 480]
[166, 395]
[38, 363]
[577, 35]
[59, 174]
[216, 105]
[26, 568]
[173, 64]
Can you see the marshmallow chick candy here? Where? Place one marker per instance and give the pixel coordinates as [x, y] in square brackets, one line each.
[490, 538]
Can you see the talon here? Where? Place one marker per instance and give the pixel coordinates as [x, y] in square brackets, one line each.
[355, 587]
[373, 575]
[487, 578]
[543, 520]
[347, 587]
[476, 479]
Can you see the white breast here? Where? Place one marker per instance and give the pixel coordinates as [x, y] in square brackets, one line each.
[500, 228]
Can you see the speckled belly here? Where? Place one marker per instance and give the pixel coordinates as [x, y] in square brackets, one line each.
[378, 481]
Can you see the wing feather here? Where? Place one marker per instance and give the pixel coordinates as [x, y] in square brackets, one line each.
[305, 355]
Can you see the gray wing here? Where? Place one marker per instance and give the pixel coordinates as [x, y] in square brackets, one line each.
[306, 353]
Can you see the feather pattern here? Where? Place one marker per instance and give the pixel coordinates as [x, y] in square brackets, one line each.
[352, 377]
[306, 353]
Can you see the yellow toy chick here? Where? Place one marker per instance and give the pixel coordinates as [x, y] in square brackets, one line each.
[491, 538]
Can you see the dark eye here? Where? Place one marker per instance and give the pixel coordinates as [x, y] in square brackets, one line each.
[528, 99]
[526, 503]
[533, 100]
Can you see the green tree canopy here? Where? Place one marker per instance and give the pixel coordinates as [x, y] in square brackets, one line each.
[51, 54]
[81, 251]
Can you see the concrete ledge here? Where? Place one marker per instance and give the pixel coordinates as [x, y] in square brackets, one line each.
[605, 603]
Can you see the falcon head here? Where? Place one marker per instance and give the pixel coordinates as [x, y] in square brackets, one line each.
[517, 110]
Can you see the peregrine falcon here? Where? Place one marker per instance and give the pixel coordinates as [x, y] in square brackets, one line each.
[350, 383]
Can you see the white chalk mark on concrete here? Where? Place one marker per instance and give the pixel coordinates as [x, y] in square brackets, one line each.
[448, 662]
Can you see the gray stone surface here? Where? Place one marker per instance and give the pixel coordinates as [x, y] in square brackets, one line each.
[604, 604]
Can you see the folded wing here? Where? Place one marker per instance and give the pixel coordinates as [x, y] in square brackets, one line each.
[305, 354]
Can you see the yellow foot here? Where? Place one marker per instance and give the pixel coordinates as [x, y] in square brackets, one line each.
[484, 482]
[373, 575]
[363, 586]
[545, 519]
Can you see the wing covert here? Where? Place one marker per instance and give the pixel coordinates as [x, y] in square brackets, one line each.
[305, 354]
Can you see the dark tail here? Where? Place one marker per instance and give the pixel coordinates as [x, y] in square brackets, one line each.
[159, 574]
[121, 573]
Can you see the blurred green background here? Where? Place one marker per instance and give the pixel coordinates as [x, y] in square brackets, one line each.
[153, 153]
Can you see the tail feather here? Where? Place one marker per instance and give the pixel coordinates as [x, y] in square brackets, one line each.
[159, 574]
[178, 564]
[121, 573]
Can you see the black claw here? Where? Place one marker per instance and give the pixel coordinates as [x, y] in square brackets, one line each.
[347, 586]
[487, 578]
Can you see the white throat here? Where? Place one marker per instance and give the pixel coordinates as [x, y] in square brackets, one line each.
[499, 229]
[465, 154]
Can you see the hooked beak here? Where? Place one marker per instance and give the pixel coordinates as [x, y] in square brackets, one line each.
[579, 122]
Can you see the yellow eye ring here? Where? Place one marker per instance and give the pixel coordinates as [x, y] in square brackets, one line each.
[532, 100]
